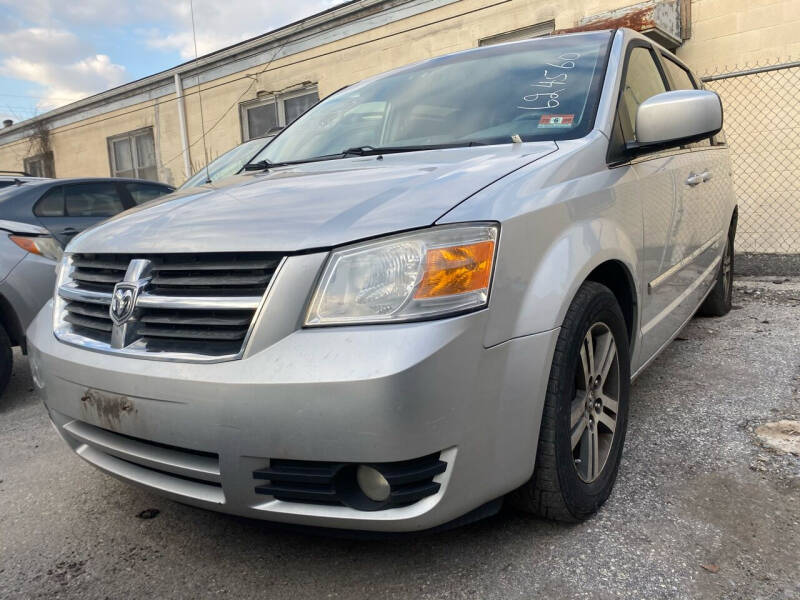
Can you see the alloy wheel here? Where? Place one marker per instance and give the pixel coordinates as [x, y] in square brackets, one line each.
[594, 409]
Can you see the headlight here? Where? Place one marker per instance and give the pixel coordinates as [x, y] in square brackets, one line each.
[430, 273]
[63, 274]
[43, 245]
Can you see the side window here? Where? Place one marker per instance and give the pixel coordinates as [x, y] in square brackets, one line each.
[143, 192]
[92, 200]
[679, 78]
[41, 165]
[642, 81]
[51, 204]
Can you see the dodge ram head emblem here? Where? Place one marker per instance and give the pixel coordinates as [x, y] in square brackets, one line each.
[123, 302]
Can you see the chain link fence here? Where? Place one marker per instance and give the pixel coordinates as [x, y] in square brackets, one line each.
[762, 126]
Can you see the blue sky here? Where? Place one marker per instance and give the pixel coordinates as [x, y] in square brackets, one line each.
[56, 52]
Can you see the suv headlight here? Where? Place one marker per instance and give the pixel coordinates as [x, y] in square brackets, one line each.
[419, 275]
[43, 245]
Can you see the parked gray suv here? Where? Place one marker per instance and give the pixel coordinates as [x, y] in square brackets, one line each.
[429, 292]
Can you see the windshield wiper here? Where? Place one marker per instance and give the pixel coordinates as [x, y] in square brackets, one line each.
[261, 165]
[372, 151]
[265, 165]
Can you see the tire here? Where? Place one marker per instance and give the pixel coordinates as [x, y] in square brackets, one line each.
[566, 484]
[6, 359]
[718, 302]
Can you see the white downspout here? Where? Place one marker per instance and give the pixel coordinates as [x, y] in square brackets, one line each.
[187, 159]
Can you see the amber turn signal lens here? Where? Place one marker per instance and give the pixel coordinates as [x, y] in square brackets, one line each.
[456, 270]
[26, 243]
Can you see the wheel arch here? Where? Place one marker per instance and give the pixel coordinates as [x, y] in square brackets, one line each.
[618, 278]
[10, 322]
[598, 249]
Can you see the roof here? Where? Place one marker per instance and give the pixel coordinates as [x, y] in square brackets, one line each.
[67, 180]
[23, 178]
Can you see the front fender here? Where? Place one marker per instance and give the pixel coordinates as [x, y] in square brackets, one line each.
[560, 218]
[537, 278]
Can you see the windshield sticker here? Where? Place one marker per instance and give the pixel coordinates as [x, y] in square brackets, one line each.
[556, 121]
[552, 84]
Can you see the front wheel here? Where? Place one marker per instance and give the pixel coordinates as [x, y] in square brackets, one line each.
[585, 412]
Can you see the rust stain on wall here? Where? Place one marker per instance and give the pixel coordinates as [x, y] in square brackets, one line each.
[107, 409]
[638, 20]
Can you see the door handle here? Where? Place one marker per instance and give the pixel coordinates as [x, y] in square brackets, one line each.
[69, 231]
[694, 179]
[706, 175]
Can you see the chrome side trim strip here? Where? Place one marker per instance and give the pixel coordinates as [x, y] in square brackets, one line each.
[666, 275]
[686, 293]
[671, 338]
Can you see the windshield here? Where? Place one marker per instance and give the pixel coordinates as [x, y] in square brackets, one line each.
[542, 89]
[227, 164]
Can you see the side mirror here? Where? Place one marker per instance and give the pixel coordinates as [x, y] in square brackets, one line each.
[672, 118]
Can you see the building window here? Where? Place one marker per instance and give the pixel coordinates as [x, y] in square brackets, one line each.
[276, 111]
[525, 33]
[41, 165]
[133, 154]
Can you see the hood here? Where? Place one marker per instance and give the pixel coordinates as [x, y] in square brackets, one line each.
[313, 205]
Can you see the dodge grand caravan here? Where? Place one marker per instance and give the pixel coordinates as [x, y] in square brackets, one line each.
[430, 292]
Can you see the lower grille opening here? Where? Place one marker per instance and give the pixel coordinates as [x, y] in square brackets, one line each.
[203, 453]
[332, 483]
[183, 471]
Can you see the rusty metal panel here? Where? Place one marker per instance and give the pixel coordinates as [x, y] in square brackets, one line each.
[659, 19]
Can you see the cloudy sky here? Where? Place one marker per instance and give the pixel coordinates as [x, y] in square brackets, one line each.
[53, 52]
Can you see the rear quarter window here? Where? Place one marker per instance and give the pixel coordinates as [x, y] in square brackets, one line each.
[144, 192]
[51, 204]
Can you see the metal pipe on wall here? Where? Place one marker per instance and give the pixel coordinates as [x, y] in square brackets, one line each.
[187, 159]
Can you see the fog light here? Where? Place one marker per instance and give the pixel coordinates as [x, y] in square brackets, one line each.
[372, 483]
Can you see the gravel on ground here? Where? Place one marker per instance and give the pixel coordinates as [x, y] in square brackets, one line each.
[701, 508]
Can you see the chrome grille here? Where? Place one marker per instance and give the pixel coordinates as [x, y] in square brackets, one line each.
[192, 306]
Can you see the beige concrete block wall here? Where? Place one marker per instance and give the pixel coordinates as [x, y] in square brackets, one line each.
[81, 149]
[724, 32]
[733, 33]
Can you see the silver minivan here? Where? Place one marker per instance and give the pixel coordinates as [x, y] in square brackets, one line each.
[428, 293]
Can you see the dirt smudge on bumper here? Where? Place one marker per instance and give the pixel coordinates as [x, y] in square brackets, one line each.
[107, 409]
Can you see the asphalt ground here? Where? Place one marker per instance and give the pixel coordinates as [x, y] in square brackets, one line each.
[700, 509]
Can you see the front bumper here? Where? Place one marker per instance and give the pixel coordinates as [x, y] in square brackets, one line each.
[351, 394]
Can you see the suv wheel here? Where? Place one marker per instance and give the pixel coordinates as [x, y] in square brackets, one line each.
[718, 302]
[6, 359]
[585, 412]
